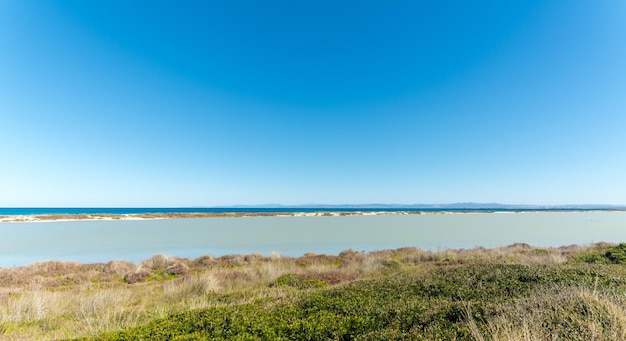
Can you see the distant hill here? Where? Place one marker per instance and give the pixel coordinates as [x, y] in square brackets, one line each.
[451, 206]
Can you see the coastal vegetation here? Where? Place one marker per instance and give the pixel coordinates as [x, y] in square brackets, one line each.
[509, 293]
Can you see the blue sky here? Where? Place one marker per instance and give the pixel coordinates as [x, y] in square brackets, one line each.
[160, 103]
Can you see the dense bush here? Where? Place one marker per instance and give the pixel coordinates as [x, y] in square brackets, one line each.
[453, 302]
[615, 254]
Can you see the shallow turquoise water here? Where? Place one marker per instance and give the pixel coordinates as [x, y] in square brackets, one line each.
[134, 240]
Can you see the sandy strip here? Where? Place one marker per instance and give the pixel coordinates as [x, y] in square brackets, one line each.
[68, 217]
[153, 216]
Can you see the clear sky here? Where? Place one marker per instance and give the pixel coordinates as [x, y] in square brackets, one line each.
[210, 103]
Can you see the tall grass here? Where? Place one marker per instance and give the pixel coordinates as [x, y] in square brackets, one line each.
[560, 313]
[191, 287]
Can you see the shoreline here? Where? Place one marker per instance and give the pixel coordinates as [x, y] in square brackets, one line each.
[56, 217]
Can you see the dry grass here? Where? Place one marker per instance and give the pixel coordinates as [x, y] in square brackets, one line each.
[53, 300]
[191, 287]
[576, 312]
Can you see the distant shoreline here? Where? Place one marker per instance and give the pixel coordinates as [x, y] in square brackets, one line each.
[58, 217]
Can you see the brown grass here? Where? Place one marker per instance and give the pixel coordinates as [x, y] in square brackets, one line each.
[576, 312]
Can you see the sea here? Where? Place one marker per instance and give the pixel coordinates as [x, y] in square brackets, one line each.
[100, 241]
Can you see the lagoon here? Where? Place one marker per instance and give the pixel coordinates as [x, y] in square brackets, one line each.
[135, 240]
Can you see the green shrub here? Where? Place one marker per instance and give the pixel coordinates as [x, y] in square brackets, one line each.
[616, 254]
[610, 255]
[298, 282]
[443, 303]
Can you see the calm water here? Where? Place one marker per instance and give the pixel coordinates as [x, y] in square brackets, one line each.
[134, 240]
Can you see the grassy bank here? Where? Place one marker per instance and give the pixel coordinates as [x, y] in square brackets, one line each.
[516, 292]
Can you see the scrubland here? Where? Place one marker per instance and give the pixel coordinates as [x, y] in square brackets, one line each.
[518, 292]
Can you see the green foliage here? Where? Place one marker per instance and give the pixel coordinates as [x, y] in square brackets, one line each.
[432, 305]
[160, 275]
[298, 282]
[610, 255]
[592, 257]
[616, 254]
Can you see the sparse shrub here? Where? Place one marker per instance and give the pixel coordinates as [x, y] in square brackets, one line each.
[135, 277]
[314, 259]
[178, 268]
[156, 262]
[118, 267]
[351, 256]
[253, 258]
[205, 261]
[519, 246]
[54, 267]
[232, 260]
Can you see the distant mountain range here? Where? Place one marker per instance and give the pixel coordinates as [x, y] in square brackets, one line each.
[451, 206]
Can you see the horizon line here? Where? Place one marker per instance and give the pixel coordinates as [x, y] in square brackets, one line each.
[369, 205]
